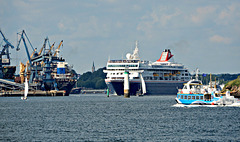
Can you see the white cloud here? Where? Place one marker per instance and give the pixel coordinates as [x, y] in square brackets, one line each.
[165, 18]
[61, 26]
[119, 24]
[106, 26]
[229, 15]
[158, 18]
[137, 7]
[220, 39]
[202, 13]
[109, 1]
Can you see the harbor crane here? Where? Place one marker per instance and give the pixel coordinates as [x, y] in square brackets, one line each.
[4, 52]
[23, 35]
[57, 50]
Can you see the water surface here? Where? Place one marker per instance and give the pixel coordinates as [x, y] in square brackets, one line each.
[99, 118]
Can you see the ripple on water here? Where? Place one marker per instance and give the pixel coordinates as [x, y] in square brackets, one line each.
[98, 118]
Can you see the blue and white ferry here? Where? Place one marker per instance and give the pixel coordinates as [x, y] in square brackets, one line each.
[193, 93]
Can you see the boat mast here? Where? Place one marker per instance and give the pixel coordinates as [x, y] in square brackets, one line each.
[197, 70]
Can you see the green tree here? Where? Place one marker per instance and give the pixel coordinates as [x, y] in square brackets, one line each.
[93, 80]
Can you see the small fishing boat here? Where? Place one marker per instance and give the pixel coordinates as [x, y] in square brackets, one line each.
[25, 90]
[193, 93]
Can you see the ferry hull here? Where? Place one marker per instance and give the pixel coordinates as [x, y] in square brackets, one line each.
[152, 88]
[197, 99]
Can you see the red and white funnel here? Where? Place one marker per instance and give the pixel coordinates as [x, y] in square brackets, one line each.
[166, 56]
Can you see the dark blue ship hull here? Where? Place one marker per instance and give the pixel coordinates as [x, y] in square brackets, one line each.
[61, 84]
[152, 88]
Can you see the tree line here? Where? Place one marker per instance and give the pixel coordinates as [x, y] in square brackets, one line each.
[220, 78]
[93, 80]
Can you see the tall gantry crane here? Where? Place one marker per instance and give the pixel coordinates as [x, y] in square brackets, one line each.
[4, 52]
[23, 37]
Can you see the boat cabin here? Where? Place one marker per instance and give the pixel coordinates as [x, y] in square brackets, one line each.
[195, 97]
[192, 87]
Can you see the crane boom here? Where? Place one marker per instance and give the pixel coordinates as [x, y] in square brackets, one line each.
[7, 42]
[51, 47]
[58, 48]
[44, 45]
[4, 52]
[23, 35]
[24, 42]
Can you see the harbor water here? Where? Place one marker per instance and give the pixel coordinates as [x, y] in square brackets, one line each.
[96, 117]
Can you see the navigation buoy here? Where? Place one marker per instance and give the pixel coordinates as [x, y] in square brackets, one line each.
[107, 92]
[126, 85]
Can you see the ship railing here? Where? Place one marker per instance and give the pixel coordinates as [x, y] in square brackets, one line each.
[62, 75]
[116, 78]
[123, 61]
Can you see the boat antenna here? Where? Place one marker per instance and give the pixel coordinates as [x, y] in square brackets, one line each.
[197, 70]
[135, 52]
[210, 80]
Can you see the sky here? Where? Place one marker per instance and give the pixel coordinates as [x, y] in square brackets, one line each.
[202, 34]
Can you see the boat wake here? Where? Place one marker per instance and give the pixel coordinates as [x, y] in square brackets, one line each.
[189, 106]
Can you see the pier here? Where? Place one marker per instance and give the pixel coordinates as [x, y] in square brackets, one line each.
[94, 91]
[32, 93]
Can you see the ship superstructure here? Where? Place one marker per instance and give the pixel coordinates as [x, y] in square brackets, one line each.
[162, 77]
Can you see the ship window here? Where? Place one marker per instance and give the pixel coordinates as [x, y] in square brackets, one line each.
[197, 97]
[181, 96]
[150, 78]
[160, 78]
[189, 97]
[193, 97]
[185, 97]
[155, 78]
[201, 97]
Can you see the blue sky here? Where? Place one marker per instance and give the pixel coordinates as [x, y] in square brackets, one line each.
[202, 34]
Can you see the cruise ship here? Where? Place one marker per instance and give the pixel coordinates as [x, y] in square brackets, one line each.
[162, 77]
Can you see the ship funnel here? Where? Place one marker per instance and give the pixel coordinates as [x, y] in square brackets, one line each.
[165, 56]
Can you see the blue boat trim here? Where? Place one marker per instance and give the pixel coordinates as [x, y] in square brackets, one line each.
[201, 99]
